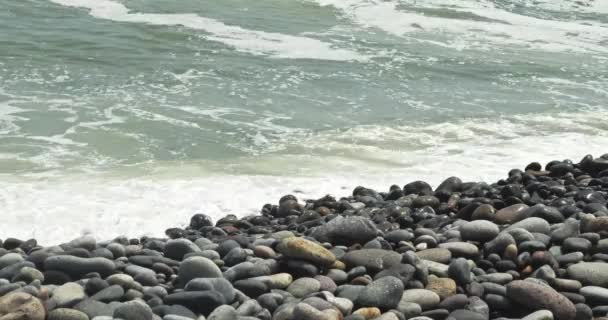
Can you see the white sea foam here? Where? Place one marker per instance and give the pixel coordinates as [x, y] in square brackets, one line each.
[499, 26]
[251, 41]
[8, 118]
[114, 203]
[585, 6]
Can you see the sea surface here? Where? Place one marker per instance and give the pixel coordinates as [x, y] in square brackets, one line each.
[125, 117]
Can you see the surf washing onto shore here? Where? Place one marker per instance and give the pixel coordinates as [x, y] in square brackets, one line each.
[126, 117]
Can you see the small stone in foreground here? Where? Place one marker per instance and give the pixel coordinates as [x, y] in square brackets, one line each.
[20, 305]
[67, 314]
[537, 297]
[133, 310]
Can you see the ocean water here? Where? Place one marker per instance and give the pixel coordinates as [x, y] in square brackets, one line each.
[125, 117]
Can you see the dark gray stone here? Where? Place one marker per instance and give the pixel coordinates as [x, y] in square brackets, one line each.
[223, 286]
[479, 230]
[460, 271]
[133, 310]
[111, 293]
[384, 293]
[77, 267]
[198, 301]
[94, 308]
[372, 259]
[345, 231]
[462, 314]
[198, 267]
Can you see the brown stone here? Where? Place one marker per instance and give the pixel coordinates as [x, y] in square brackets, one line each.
[527, 271]
[443, 287]
[594, 224]
[440, 255]
[306, 312]
[300, 248]
[484, 212]
[21, 306]
[323, 211]
[338, 265]
[368, 313]
[264, 252]
[510, 214]
[510, 252]
[538, 297]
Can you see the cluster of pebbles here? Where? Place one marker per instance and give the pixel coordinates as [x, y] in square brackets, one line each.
[532, 246]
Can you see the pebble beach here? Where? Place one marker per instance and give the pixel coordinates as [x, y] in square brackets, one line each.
[530, 246]
[304, 160]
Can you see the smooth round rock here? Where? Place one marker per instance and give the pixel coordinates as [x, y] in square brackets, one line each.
[500, 243]
[304, 311]
[198, 267]
[86, 242]
[537, 297]
[462, 314]
[427, 299]
[418, 188]
[461, 249]
[372, 259]
[368, 313]
[300, 248]
[10, 259]
[590, 273]
[109, 294]
[337, 275]
[303, 287]
[575, 244]
[397, 236]
[223, 313]
[583, 312]
[595, 294]
[345, 231]
[223, 286]
[510, 214]
[460, 271]
[532, 225]
[124, 280]
[68, 295]
[479, 306]
[384, 293]
[94, 308]
[264, 252]
[423, 201]
[457, 301]
[28, 274]
[176, 249]
[67, 314]
[21, 305]
[133, 310]
[77, 267]
[200, 220]
[479, 230]
[484, 212]
[440, 255]
[198, 301]
[444, 287]
[539, 315]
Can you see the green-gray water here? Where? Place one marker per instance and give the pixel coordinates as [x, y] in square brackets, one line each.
[128, 116]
